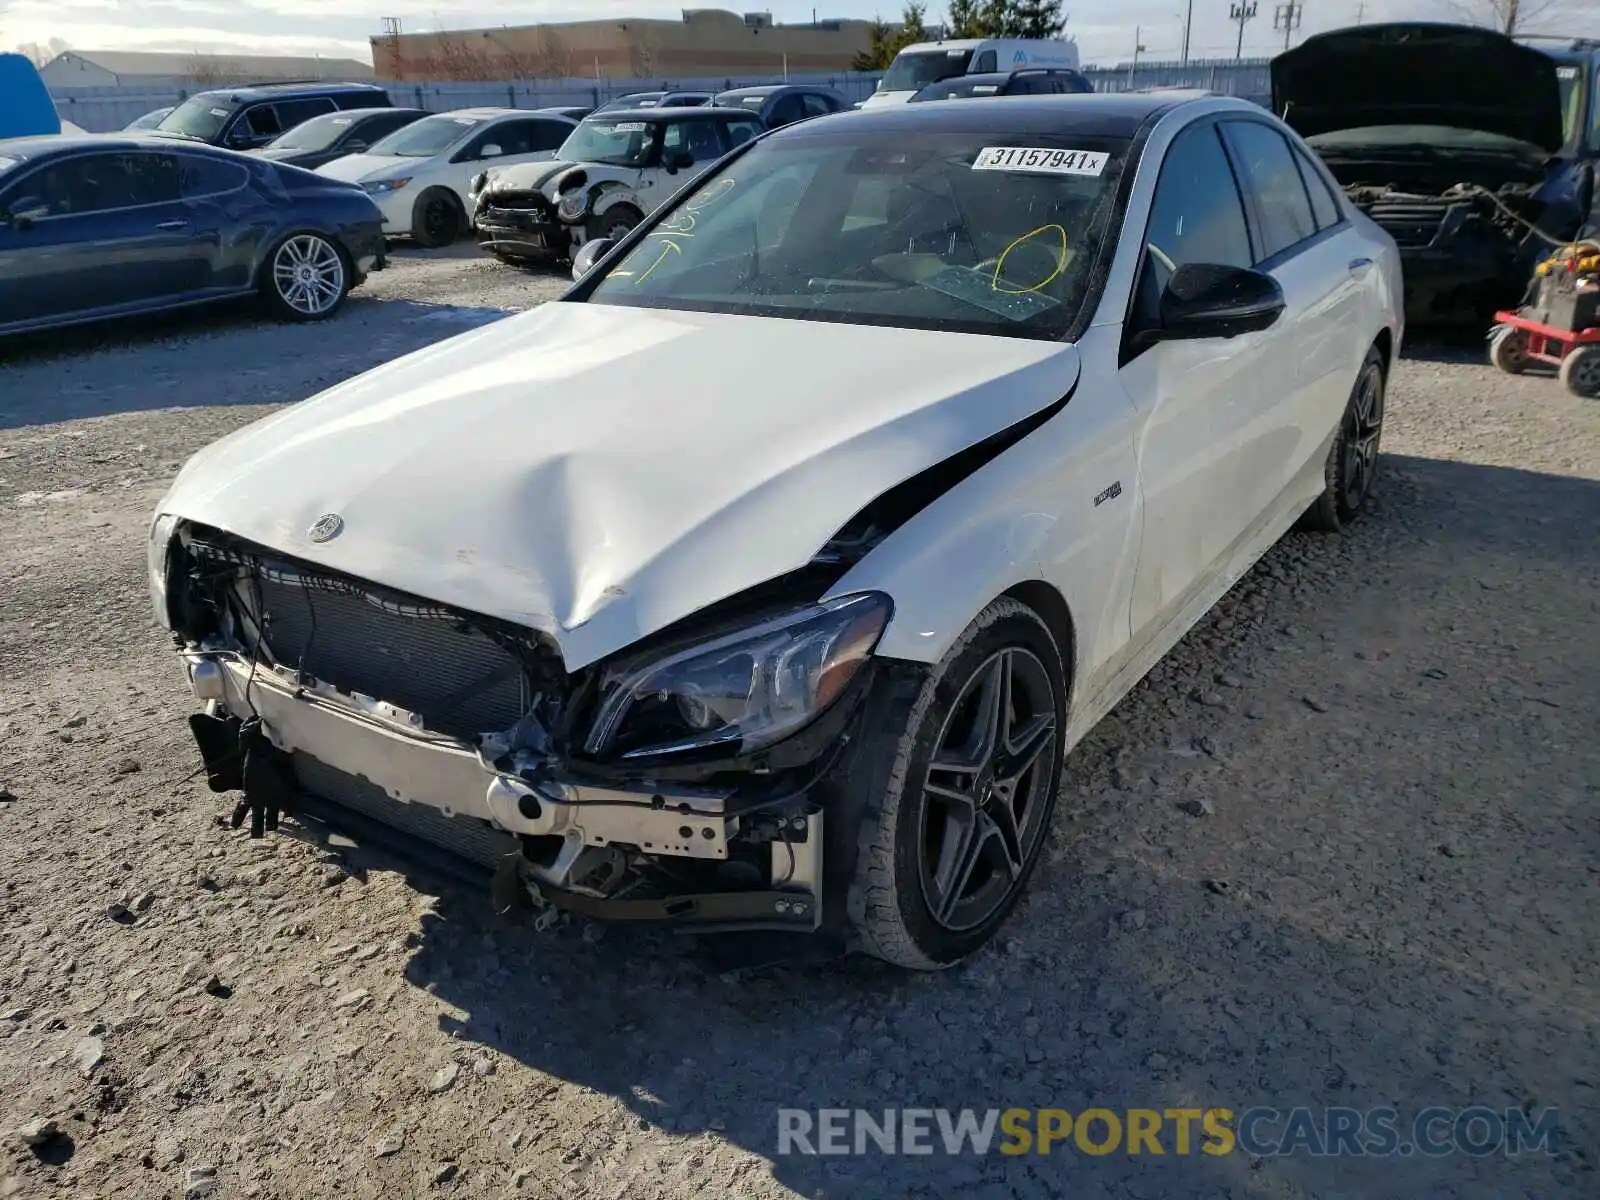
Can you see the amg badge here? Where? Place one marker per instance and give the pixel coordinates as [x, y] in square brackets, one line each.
[1111, 493]
[326, 527]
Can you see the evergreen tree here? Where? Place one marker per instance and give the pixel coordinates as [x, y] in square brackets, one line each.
[967, 19]
[880, 50]
[1035, 19]
[912, 28]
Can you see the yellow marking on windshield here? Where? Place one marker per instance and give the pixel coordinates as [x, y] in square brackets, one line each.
[668, 246]
[1061, 262]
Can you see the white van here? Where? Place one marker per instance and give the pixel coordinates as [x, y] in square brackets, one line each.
[915, 67]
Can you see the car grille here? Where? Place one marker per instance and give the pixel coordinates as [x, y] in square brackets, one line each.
[1411, 222]
[462, 675]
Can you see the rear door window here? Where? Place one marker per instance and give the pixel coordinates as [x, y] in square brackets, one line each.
[984, 63]
[95, 183]
[816, 104]
[199, 177]
[786, 110]
[293, 112]
[1323, 206]
[1272, 178]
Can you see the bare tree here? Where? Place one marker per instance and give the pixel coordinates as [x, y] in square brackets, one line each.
[1518, 16]
[206, 68]
[642, 55]
[456, 60]
[554, 59]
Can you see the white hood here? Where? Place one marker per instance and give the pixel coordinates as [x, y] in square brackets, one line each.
[359, 168]
[543, 176]
[599, 472]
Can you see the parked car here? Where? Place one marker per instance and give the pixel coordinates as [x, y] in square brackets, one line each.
[916, 66]
[323, 139]
[247, 118]
[667, 99]
[109, 226]
[576, 112]
[784, 103]
[419, 175]
[765, 580]
[1454, 139]
[613, 171]
[1028, 81]
[149, 121]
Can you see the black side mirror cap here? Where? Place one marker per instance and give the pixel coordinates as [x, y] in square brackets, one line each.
[1209, 300]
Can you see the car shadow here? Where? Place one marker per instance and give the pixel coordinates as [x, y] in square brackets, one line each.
[1148, 969]
[230, 354]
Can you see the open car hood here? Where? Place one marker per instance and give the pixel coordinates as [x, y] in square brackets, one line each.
[1419, 74]
[599, 472]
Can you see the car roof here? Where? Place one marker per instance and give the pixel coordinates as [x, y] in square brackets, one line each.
[1093, 114]
[273, 91]
[696, 112]
[46, 146]
[773, 89]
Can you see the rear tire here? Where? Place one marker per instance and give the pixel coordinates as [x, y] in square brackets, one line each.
[1508, 349]
[1580, 371]
[948, 845]
[436, 218]
[307, 277]
[1352, 463]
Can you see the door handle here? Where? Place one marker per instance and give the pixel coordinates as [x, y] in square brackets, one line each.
[173, 225]
[1359, 266]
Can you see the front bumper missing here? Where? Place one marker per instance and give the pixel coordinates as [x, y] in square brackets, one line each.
[400, 764]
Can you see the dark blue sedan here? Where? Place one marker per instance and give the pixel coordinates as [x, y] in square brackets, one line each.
[100, 227]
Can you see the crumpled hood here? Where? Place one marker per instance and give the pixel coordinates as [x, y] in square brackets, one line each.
[359, 168]
[1414, 73]
[598, 472]
[543, 177]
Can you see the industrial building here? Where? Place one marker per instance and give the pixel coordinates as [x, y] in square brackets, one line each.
[702, 43]
[125, 68]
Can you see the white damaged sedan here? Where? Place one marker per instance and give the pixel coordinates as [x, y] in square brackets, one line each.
[765, 580]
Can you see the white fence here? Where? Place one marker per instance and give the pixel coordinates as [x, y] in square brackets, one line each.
[100, 110]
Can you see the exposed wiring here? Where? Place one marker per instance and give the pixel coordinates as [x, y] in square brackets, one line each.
[1473, 189]
[789, 874]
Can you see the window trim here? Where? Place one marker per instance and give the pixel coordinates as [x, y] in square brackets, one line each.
[1212, 122]
[139, 151]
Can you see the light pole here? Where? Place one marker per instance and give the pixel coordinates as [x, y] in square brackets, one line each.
[1241, 14]
[1286, 19]
[1188, 29]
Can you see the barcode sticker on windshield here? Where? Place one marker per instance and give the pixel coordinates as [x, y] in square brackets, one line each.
[1566, 72]
[629, 127]
[1040, 161]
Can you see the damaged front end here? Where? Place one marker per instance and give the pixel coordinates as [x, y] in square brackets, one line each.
[519, 222]
[688, 781]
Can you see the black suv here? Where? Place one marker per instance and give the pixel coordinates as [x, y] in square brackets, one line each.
[245, 118]
[1578, 72]
[1025, 81]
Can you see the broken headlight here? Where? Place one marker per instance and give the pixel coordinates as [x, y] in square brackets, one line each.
[743, 691]
[573, 207]
[156, 553]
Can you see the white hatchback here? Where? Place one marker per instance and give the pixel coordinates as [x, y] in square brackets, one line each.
[766, 579]
[420, 175]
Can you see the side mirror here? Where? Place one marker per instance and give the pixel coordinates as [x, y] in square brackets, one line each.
[588, 254]
[490, 151]
[1206, 300]
[680, 161]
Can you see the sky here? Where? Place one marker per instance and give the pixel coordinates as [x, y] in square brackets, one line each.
[1105, 29]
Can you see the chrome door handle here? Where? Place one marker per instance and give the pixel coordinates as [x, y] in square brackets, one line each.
[173, 225]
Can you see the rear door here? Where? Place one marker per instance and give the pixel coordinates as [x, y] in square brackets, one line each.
[1204, 403]
[218, 200]
[1306, 247]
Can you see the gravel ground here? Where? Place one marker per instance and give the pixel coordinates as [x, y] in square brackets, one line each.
[1340, 849]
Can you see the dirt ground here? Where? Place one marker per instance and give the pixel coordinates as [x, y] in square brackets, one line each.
[1389, 896]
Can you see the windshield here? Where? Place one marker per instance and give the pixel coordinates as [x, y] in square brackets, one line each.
[614, 143]
[632, 100]
[425, 138]
[199, 116]
[316, 134]
[1404, 138]
[912, 72]
[977, 233]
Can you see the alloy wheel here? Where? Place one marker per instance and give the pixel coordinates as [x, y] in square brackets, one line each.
[1363, 428]
[986, 789]
[309, 274]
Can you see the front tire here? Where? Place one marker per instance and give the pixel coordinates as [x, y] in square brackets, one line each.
[1580, 371]
[615, 223]
[436, 219]
[306, 278]
[948, 846]
[1352, 463]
